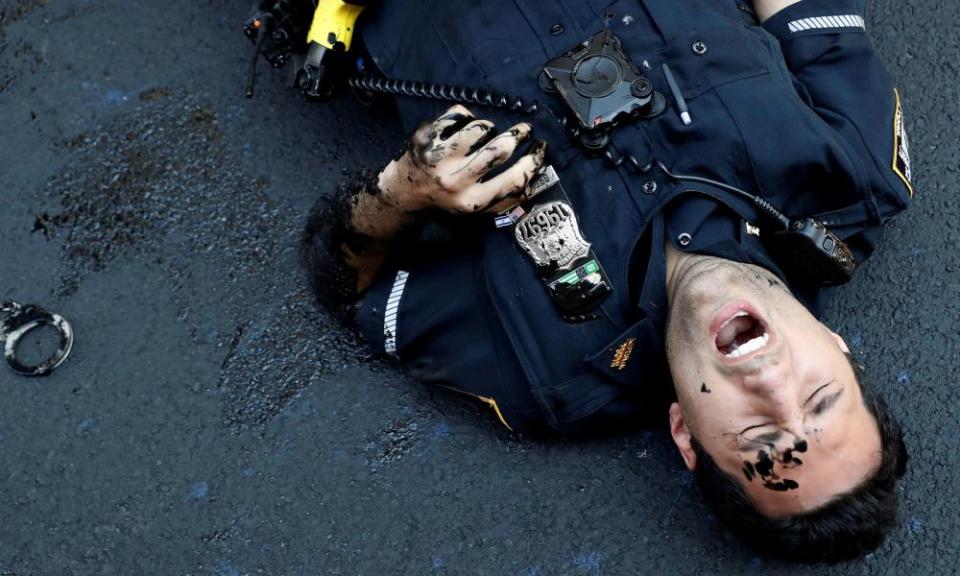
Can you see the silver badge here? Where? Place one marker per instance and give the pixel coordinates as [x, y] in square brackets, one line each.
[542, 181]
[551, 235]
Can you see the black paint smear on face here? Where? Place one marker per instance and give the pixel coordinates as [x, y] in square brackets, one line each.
[764, 464]
[781, 486]
[770, 278]
[771, 481]
[704, 389]
[789, 458]
[748, 471]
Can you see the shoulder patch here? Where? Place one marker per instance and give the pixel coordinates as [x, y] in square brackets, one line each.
[901, 146]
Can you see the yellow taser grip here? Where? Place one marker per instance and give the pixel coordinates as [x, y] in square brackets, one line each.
[333, 21]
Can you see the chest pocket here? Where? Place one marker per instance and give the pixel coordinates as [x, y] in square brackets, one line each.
[507, 43]
[704, 58]
[704, 41]
[496, 48]
[707, 46]
[491, 42]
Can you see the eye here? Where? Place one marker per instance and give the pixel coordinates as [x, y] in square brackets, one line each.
[824, 396]
[770, 433]
[762, 433]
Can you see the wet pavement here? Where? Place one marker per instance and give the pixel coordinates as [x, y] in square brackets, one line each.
[212, 421]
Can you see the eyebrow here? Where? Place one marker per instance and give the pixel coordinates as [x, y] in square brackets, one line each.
[815, 392]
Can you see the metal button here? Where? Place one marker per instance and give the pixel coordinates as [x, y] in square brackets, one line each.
[645, 65]
[556, 29]
[684, 239]
[649, 187]
[546, 84]
[641, 88]
[699, 48]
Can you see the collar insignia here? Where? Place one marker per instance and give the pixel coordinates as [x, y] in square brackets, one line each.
[622, 355]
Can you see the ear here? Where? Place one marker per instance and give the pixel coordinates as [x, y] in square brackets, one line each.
[682, 437]
[840, 342]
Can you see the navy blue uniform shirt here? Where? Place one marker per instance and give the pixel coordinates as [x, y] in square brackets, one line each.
[799, 111]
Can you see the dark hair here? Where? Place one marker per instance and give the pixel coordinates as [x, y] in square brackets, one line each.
[847, 527]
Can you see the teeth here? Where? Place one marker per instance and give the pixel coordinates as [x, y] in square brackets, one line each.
[750, 346]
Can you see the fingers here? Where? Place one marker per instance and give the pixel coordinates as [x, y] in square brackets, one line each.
[498, 150]
[456, 110]
[451, 156]
[454, 119]
[473, 136]
[449, 122]
[423, 135]
[507, 188]
[490, 151]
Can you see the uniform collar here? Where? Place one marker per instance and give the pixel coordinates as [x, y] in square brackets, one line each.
[695, 222]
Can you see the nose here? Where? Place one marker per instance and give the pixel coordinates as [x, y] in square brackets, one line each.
[772, 381]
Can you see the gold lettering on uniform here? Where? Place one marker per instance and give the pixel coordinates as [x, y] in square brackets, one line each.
[622, 355]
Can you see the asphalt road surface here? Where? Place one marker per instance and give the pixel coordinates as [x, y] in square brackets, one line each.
[211, 421]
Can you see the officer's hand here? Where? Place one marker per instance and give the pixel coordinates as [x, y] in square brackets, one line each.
[447, 161]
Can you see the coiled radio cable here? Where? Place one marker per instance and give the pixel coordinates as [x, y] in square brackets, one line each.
[503, 101]
[447, 92]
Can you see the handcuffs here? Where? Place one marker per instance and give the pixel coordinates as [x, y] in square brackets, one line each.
[18, 321]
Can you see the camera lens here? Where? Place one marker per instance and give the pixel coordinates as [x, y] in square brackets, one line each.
[596, 76]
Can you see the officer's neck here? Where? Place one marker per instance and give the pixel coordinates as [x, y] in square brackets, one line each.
[678, 263]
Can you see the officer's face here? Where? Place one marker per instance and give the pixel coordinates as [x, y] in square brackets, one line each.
[765, 388]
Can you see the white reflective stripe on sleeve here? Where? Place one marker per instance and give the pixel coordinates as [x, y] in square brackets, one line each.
[391, 311]
[827, 22]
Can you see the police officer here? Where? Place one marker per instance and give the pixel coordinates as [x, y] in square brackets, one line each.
[574, 312]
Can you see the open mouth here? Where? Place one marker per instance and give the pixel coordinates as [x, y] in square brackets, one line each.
[739, 332]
